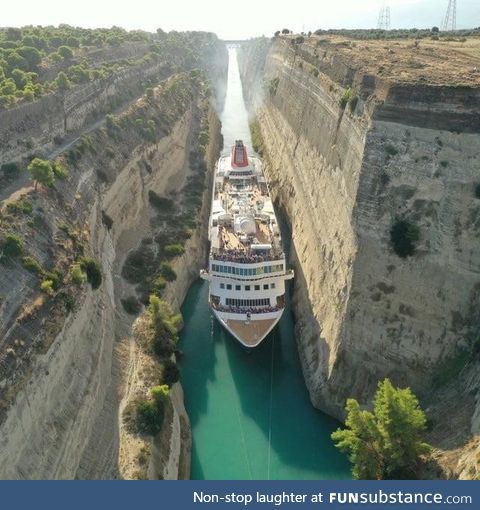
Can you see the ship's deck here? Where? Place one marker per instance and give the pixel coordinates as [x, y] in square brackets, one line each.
[251, 332]
[244, 216]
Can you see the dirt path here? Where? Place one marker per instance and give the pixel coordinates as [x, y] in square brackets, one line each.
[24, 184]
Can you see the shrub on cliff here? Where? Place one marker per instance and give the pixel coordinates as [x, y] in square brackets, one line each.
[477, 191]
[174, 250]
[79, 277]
[41, 172]
[59, 170]
[170, 372]
[92, 270]
[388, 442]
[32, 264]
[150, 412]
[404, 236]
[10, 170]
[166, 270]
[47, 287]
[11, 247]
[162, 203]
[347, 96]
[165, 325]
[131, 305]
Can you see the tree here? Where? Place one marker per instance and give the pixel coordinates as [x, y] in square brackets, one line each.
[65, 52]
[285, 31]
[62, 82]
[388, 442]
[31, 55]
[41, 171]
[13, 34]
[20, 77]
[435, 30]
[404, 237]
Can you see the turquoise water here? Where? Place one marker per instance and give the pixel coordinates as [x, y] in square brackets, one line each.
[250, 412]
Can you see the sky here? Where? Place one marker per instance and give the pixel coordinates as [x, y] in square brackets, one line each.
[239, 19]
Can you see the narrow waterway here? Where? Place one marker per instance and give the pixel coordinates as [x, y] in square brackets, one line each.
[250, 412]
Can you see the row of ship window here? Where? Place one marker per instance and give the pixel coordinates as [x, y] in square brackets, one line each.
[247, 302]
[266, 286]
[247, 271]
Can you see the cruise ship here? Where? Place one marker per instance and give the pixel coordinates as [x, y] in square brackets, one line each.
[247, 268]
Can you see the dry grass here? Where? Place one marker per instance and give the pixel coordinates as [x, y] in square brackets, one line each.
[405, 60]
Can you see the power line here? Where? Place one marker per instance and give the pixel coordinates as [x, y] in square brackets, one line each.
[450, 20]
[384, 18]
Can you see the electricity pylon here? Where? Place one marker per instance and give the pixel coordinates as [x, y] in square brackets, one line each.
[450, 21]
[384, 17]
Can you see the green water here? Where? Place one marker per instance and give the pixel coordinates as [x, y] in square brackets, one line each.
[250, 412]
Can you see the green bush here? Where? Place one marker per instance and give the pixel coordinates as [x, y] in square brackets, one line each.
[139, 265]
[79, 276]
[346, 97]
[150, 413]
[165, 325]
[93, 271]
[159, 284]
[257, 139]
[149, 418]
[59, 170]
[391, 150]
[32, 264]
[166, 270]
[12, 246]
[10, 170]
[171, 373]
[131, 305]
[21, 206]
[162, 203]
[174, 250]
[47, 287]
[404, 236]
[55, 277]
[477, 191]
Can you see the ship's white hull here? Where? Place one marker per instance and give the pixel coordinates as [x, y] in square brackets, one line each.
[247, 269]
[249, 332]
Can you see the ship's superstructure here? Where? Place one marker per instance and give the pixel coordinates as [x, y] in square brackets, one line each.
[247, 268]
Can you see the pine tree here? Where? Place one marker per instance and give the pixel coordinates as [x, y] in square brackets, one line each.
[41, 171]
[388, 442]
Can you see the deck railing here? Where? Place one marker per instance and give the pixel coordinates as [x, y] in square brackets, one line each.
[246, 258]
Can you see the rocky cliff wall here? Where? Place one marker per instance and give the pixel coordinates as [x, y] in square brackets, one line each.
[35, 127]
[344, 171]
[62, 372]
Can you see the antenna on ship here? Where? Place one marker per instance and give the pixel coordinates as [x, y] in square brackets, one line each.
[384, 17]
[450, 20]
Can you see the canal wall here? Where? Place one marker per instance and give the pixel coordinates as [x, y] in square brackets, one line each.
[348, 154]
[67, 359]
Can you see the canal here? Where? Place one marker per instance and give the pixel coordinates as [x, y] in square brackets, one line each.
[250, 413]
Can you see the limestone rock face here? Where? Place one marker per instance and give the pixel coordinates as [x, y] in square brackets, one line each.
[62, 373]
[344, 170]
